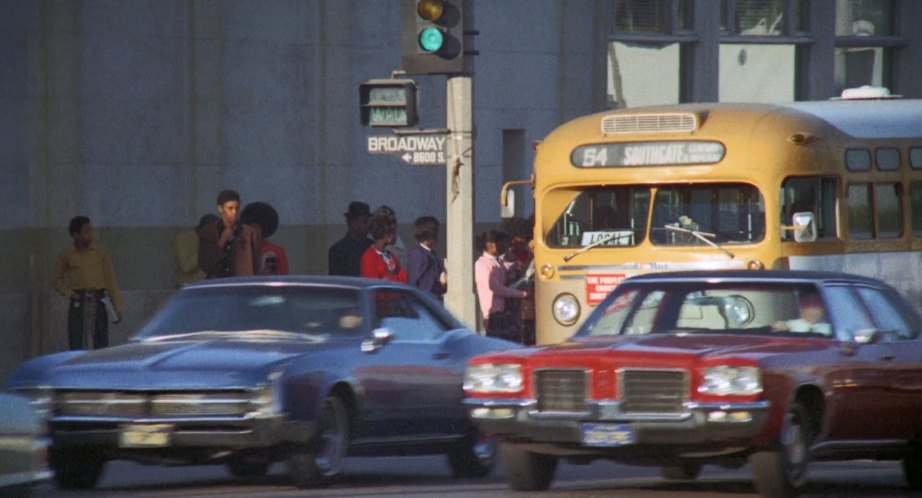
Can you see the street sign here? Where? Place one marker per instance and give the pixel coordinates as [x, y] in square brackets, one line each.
[412, 149]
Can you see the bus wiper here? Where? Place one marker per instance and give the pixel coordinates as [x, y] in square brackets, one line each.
[702, 236]
[611, 236]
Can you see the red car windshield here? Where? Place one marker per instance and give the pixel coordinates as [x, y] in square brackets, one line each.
[703, 308]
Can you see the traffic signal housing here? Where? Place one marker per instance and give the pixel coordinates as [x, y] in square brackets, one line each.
[388, 103]
[433, 36]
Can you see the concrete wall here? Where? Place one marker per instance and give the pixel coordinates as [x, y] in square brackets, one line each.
[136, 113]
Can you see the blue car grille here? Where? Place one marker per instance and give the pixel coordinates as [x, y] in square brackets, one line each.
[123, 404]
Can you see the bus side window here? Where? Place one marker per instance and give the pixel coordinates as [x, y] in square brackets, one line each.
[815, 195]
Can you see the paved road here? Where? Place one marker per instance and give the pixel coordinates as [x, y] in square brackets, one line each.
[429, 477]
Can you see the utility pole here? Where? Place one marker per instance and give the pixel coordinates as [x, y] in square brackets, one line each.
[437, 39]
[459, 200]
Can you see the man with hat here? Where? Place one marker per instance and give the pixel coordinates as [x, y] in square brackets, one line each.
[344, 256]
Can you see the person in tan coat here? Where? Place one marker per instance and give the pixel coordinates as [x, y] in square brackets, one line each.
[84, 275]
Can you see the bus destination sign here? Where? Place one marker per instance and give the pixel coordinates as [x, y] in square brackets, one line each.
[647, 154]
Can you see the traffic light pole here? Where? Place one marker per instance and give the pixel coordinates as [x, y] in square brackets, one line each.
[459, 200]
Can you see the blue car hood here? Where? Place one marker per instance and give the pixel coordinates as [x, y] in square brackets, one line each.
[219, 363]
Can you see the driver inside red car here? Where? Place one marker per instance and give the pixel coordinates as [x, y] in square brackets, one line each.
[812, 316]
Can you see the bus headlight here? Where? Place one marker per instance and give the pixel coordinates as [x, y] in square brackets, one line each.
[566, 309]
[493, 378]
[726, 380]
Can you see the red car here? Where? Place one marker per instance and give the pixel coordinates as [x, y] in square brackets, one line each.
[681, 369]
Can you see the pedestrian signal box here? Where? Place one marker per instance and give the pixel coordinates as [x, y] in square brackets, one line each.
[388, 103]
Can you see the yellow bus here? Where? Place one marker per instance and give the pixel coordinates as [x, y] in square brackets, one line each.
[832, 185]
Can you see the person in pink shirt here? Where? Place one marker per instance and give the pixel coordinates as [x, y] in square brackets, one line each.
[492, 291]
[378, 261]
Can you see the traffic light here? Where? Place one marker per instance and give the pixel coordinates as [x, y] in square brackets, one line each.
[388, 103]
[433, 36]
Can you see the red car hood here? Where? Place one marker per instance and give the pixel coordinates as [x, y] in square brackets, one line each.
[660, 347]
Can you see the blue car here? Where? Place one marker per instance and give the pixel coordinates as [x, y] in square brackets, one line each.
[23, 447]
[252, 371]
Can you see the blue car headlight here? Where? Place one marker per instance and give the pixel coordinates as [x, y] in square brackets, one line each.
[41, 399]
[266, 400]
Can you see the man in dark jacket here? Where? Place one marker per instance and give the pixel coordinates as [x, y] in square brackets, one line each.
[228, 248]
[345, 255]
[424, 267]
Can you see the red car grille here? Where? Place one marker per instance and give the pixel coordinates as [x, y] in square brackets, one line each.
[653, 391]
[561, 390]
[642, 391]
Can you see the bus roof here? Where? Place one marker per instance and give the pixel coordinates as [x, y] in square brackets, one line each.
[887, 118]
[866, 118]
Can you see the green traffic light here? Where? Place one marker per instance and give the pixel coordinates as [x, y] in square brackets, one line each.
[431, 39]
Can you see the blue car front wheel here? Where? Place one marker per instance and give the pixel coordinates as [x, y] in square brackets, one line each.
[322, 459]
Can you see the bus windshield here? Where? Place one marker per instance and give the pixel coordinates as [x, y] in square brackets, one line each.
[682, 215]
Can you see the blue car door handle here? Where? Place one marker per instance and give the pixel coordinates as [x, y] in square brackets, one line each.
[441, 355]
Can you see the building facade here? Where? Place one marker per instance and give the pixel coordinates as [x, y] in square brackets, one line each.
[138, 113]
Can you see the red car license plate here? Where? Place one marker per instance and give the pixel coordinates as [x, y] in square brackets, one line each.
[606, 434]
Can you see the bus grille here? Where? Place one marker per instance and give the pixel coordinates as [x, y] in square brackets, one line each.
[639, 123]
[561, 390]
[653, 391]
[119, 404]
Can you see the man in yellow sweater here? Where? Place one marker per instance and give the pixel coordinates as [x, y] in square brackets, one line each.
[84, 275]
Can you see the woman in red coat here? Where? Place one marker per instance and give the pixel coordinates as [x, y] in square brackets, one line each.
[378, 261]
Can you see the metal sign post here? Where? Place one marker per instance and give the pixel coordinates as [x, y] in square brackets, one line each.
[459, 200]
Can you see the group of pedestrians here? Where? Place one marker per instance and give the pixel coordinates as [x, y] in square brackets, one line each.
[236, 242]
[371, 248]
[503, 276]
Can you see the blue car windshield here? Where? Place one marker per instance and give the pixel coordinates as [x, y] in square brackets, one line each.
[244, 309]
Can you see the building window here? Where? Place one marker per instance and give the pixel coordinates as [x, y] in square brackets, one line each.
[763, 17]
[756, 73]
[631, 69]
[865, 39]
[656, 16]
[758, 50]
[864, 17]
[646, 46]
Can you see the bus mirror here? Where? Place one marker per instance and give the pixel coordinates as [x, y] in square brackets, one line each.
[507, 207]
[804, 227]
